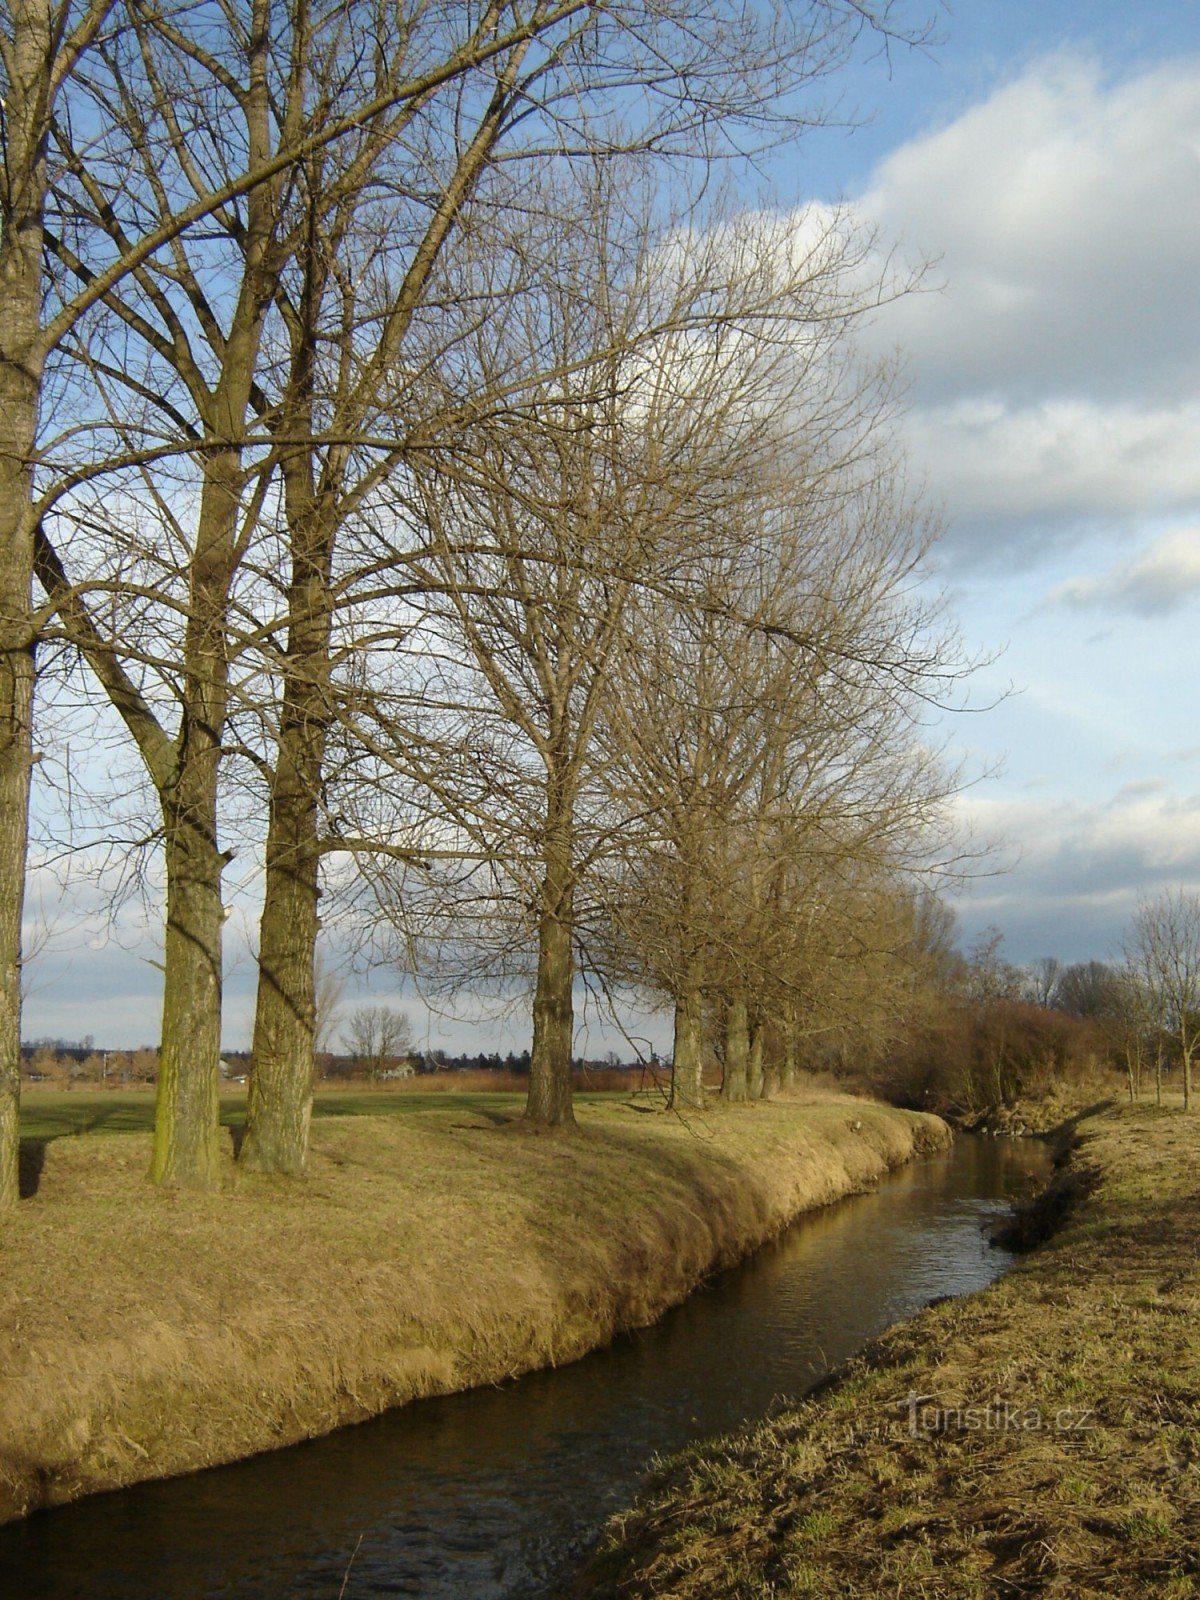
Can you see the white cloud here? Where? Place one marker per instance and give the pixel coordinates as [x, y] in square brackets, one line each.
[1059, 459]
[1162, 579]
[1064, 215]
[1055, 372]
[1081, 869]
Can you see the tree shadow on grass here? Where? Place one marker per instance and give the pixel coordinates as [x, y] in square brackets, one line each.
[31, 1158]
[497, 1118]
[100, 1119]
[30, 1164]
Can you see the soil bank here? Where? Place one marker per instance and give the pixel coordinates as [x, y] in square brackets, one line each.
[145, 1333]
[1040, 1437]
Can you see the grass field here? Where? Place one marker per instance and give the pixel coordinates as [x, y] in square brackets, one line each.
[52, 1114]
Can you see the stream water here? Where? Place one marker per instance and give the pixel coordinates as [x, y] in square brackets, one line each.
[497, 1494]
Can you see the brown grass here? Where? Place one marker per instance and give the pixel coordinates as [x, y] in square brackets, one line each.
[144, 1332]
[1095, 1339]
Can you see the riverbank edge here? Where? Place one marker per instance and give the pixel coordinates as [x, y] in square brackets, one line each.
[1038, 1436]
[425, 1254]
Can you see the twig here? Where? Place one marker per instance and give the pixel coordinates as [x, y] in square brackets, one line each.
[349, 1564]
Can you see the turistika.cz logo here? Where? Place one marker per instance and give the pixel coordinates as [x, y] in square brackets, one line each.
[926, 1417]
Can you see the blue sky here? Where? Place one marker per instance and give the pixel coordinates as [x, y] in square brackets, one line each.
[976, 46]
[1045, 160]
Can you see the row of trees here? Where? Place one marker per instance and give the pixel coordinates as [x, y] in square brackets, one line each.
[454, 515]
[986, 1033]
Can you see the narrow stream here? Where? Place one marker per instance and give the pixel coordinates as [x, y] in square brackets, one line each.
[496, 1494]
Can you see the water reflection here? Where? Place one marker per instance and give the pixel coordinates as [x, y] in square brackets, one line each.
[496, 1493]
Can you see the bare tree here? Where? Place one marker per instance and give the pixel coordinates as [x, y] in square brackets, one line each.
[634, 467]
[162, 109]
[366, 270]
[1087, 989]
[1164, 944]
[41, 45]
[1043, 977]
[206, 122]
[1135, 1027]
[377, 1035]
[201, 310]
[328, 987]
[989, 978]
[536, 105]
[768, 741]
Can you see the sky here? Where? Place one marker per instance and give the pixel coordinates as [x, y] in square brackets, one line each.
[1043, 160]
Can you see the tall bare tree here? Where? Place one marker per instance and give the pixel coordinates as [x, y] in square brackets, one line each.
[375, 1035]
[769, 740]
[1164, 943]
[192, 120]
[625, 470]
[98, 68]
[182, 126]
[1042, 978]
[41, 45]
[540, 103]
[202, 310]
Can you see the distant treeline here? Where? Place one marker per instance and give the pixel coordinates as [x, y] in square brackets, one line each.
[61, 1062]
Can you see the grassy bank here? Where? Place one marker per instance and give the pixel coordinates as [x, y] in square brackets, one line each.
[144, 1333]
[1055, 1449]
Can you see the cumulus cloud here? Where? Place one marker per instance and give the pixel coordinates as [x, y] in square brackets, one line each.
[1008, 474]
[1064, 215]
[1164, 578]
[1082, 868]
[1055, 369]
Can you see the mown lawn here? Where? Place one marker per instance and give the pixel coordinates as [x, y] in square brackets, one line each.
[51, 1114]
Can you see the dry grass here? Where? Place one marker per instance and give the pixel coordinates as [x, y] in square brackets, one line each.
[1087, 1485]
[1061, 1101]
[144, 1333]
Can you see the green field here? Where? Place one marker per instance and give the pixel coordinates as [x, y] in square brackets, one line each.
[53, 1114]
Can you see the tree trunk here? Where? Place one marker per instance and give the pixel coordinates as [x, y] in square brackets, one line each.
[186, 1113]
[687, 1073]
[787, 1075]
[548, 1104]
[279, 1105]
[21, 365]
[1187, 1077]
[770, 1073]
[737, 1050]
[16, 706]
[755, 1087]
